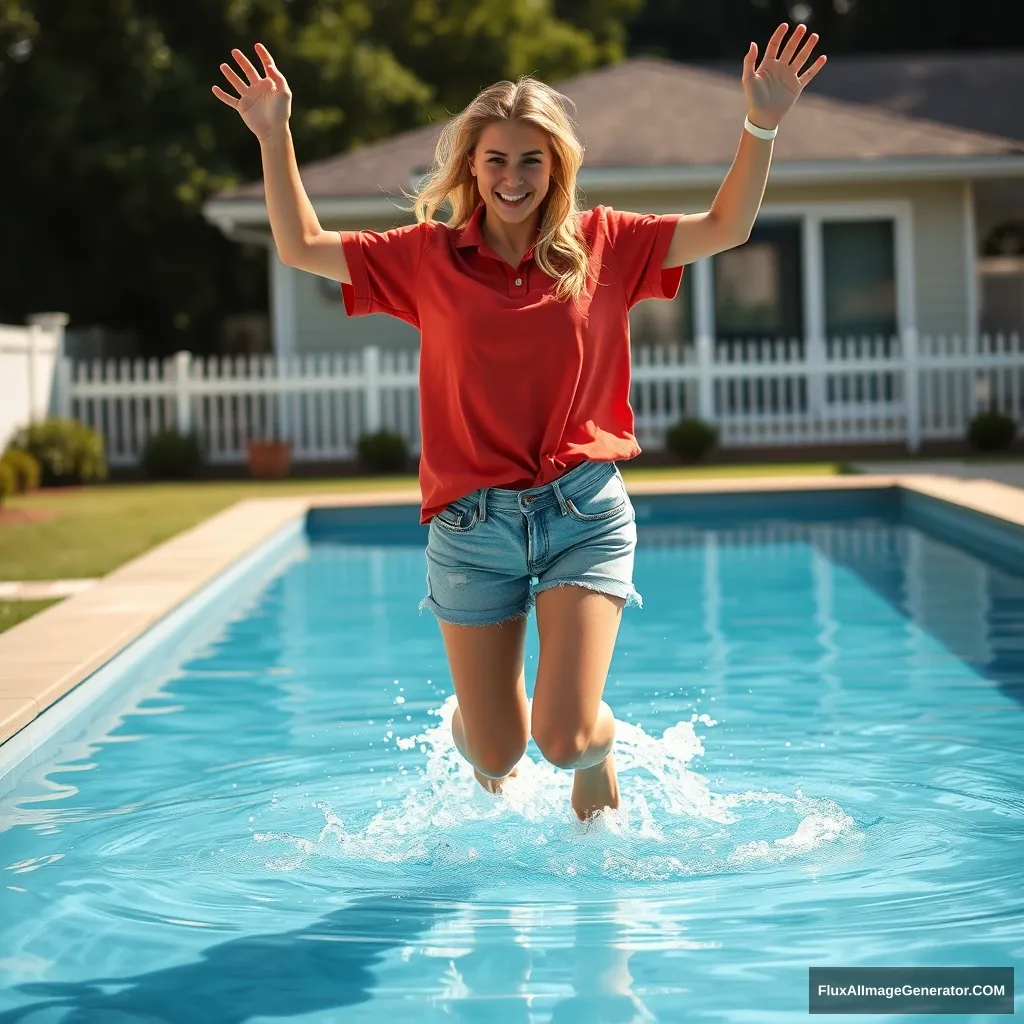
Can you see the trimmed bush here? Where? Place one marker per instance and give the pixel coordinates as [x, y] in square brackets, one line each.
[6, 481]
[170, 455]
[691, 438]
[26, 469]
[68, 451]
[991, 431]
[383, 452]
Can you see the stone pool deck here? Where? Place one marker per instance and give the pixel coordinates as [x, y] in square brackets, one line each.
[48, 655]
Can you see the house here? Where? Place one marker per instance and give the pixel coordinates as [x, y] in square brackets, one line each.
[876, 222]
[966, 89]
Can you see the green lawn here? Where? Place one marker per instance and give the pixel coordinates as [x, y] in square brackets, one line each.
[97, 529]
[13, 612]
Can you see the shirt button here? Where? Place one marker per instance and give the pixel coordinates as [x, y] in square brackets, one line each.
[519, 281]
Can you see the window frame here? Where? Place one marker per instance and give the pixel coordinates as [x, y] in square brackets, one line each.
[811, 215]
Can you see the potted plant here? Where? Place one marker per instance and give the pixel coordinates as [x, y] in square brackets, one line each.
[269, 458]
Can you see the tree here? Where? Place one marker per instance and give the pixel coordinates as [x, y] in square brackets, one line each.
[712, 30]
[113, 140]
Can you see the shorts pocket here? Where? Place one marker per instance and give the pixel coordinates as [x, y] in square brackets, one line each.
[459, 517]
[608, 501]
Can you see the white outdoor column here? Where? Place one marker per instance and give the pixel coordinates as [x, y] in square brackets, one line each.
[814, 312]
[283, 305]
[284, 332]
[704, 336]
[971, 259]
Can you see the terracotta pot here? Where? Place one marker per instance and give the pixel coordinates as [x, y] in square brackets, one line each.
[269, 460]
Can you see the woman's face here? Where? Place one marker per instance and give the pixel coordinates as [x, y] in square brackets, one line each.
[512, 163]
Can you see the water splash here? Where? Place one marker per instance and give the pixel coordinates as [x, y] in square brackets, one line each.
[670, 823]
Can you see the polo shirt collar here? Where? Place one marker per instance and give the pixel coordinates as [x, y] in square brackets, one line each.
[472, 237]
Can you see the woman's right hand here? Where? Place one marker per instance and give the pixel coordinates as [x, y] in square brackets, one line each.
[264, 103]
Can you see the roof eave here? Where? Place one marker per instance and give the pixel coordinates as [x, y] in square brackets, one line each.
[229, 214]
[930, 168]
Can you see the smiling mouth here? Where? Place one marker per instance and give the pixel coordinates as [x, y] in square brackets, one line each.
[512, 200]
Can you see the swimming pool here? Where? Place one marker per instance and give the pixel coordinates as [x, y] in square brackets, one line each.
[263, 818]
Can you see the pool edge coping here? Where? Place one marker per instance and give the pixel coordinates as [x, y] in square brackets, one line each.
[86, 631]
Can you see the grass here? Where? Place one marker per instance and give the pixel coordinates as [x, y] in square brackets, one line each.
[13, 612]
[97, 529]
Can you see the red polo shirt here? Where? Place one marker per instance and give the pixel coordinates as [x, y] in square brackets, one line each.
[516, 387]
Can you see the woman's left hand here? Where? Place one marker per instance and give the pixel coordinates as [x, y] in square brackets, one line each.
[773, 88]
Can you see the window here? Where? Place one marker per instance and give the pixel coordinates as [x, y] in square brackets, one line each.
[758, 288]
[860, 278]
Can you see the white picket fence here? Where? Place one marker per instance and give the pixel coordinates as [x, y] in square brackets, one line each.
[759, 393]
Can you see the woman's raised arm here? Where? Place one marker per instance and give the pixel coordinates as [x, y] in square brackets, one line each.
[770, 90]
[264, 103]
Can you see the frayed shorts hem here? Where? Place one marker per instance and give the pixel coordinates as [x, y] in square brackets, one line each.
[470, 618]
[613, 588]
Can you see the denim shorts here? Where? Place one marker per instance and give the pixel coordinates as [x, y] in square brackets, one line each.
[490, 553]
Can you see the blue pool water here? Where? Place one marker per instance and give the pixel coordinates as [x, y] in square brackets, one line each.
[820, 754]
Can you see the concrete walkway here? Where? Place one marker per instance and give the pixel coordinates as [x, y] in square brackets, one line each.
[41, 590]
[1003, 472]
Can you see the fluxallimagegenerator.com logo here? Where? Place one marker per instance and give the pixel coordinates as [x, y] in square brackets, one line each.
[910, 990]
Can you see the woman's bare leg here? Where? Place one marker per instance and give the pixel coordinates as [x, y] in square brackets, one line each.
[491, 724]
[572, 725]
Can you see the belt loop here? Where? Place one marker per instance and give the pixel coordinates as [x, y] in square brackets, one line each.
[561, 500]
[482, 505]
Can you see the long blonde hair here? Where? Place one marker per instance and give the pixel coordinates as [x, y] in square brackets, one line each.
[560, 251]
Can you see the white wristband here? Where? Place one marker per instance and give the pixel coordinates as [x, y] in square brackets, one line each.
[761, 133]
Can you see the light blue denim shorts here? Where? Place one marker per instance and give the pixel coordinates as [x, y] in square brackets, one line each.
[490, 553]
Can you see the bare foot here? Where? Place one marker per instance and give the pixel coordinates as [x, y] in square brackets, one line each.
[595, 789]
[494, 785]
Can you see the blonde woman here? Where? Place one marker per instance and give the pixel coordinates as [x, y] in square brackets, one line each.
[521, 300]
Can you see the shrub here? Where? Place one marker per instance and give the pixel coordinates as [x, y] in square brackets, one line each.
[691, 438]
[170, 455]
[383, 452]
[24, 468]
[991, 431]
[6, 481]
[68, 451]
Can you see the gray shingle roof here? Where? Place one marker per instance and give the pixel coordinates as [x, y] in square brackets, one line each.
[650, 112]
[976, 90]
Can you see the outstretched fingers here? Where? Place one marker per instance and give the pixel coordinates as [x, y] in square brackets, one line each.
[229, 73]
[231, 101]
[771, 51]
[811, 71]
[269, 67]
[247, 67]
[805, 52]
[794, 41]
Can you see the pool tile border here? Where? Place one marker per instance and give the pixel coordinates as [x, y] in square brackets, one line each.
[48, 655]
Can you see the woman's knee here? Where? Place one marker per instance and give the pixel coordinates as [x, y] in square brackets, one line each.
[497, 761]
[560, 745]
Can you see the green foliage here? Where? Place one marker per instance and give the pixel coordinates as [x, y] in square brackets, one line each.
[119, 139]
[691, 438]
[991, 431]
[24, 467]
[7, 484]
[169, 455]
[383, 452]
[68, 451]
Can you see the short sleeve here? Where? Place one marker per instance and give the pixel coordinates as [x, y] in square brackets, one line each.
[639, 243]
[384, 267]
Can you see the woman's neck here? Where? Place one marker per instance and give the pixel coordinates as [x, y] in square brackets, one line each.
[510, 241]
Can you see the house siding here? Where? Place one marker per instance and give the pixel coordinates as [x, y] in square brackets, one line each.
[939, 252]
[322, 326]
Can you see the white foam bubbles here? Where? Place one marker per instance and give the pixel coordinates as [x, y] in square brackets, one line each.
[670, 823]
